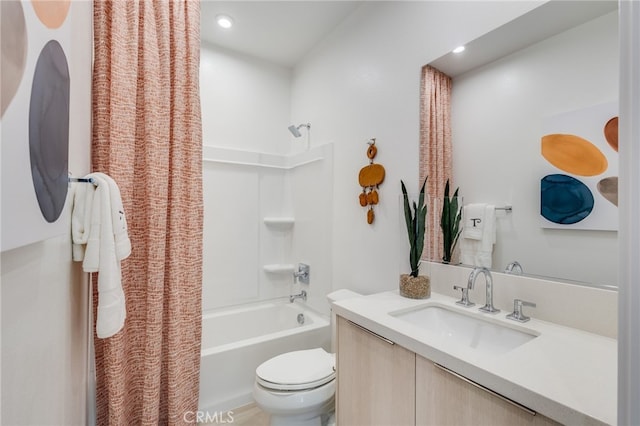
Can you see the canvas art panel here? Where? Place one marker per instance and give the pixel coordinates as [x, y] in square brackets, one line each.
[36, 44]
[579, 171]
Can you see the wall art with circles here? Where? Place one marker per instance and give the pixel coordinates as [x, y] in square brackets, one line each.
[36, 83]
[579, 183]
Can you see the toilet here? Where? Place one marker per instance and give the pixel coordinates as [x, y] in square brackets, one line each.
[298, 388]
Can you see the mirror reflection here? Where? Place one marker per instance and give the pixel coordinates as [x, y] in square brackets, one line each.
[500, 106]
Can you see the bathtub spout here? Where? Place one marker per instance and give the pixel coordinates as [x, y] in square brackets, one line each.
[302, 295]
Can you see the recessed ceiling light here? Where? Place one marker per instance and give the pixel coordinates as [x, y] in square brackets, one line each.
[224, 21]
[458, 49]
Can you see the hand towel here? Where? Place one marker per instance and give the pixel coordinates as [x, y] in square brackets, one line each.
[479, 252]
[473, 225]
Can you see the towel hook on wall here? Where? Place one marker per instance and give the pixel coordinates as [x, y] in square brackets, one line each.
[82, 180]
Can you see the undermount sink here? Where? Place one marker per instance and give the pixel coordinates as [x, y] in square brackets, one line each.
[468, 330]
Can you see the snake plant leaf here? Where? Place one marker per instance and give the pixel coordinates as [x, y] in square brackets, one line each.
[415, 218]
[450, 222]
[456, 220]
[407, 210]
[421, 220]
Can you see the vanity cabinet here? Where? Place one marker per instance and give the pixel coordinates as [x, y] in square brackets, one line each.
[444, 398]
[382, 383]
[376, 379]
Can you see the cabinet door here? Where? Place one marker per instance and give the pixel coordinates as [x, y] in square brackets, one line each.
[376, 379]
[443, 399]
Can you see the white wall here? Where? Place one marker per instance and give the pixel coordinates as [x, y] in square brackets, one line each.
[44, 294]
[245, 101]
[361, 82]
[498, 112]
[245, 113]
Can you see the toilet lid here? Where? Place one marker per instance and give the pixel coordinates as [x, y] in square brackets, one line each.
[297, 370]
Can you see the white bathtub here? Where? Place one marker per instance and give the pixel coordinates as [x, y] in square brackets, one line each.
[236, 340]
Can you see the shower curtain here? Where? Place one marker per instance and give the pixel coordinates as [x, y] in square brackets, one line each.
[435, 149]
[147, 135]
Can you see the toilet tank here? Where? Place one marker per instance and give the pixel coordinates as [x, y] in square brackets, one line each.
[335, 296]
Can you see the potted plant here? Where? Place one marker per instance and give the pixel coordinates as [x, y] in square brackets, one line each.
[413, 285]
[450, 223]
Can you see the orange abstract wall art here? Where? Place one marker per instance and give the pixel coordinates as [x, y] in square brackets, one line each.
[579, 188]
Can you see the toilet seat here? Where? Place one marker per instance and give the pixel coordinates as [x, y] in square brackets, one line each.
[298, 370]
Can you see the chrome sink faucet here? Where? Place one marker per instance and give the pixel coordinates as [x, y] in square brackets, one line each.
[514, 268]
[488, 306]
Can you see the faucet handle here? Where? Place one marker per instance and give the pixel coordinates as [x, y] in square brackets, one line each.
[464, 301]
[302, 274]
[517, 314]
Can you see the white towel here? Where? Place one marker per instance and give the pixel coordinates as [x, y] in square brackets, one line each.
[473, 225]
[479, 252]
[106, 246]
[81, 218]
[118, 219]
[91, 260]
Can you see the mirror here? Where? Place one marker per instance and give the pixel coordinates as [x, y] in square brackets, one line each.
[560, 57]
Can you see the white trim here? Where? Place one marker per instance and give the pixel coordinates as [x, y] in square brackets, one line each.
[221, 155]
[252, 164]
[629, 205]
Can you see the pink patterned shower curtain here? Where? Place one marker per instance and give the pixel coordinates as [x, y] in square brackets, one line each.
[147, 135]
[435, 150]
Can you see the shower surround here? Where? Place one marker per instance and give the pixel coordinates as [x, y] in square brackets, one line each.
[264, 214]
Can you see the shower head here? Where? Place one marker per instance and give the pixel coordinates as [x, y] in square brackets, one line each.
[295, 130]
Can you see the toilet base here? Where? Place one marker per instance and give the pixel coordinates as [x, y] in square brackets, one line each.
[327, 419]
[299, 408]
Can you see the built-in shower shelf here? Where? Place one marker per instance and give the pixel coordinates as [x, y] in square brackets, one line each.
[280, 222]
[278, 268]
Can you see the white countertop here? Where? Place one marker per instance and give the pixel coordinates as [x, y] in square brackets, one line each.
[566, 374]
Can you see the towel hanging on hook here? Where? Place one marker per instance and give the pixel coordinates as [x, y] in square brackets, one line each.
[100, 241]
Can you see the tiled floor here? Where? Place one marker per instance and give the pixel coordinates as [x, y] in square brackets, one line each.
[248, 415]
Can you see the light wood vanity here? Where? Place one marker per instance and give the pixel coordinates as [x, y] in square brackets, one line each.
[378, 384]
[382, 383]
[392, 375]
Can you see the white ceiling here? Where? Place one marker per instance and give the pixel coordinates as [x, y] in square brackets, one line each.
[277, 31]
[282, 32]
[545, 21]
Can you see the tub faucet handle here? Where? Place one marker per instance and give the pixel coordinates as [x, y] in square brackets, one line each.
[302, 274]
